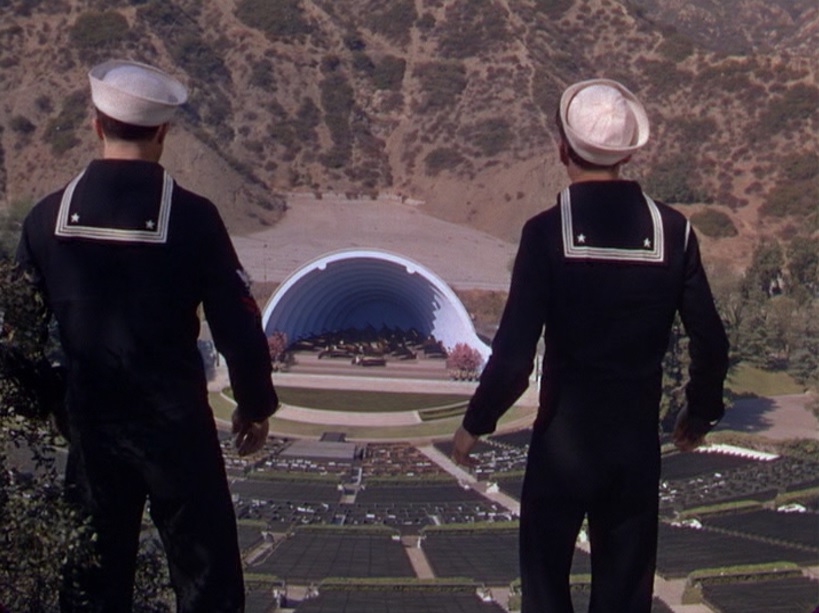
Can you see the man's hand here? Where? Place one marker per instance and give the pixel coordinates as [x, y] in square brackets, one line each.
[250, 435]
[686, 436]
[462, 444]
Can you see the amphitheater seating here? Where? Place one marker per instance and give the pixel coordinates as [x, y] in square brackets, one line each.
[796, 529]
[426, 505]
[396, 459]
[682, 550]
[403, 601]
[311, 555]
[797, 594]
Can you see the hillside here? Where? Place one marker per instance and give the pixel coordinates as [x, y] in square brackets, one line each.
[444, 102]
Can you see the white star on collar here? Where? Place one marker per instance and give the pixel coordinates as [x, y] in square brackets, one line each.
[75, 217]
[647, 243]
[150, 224]
[581, 239]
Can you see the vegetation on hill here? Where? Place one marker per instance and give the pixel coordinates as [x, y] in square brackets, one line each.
[375, 95]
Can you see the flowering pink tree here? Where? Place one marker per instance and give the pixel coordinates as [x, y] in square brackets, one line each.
[277, 346]
[463, 362]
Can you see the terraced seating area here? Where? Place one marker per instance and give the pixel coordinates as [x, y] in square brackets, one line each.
[492, 457]
[250, 535]
[489, 556]
[374, 493]
[300, 491]
[791, 594]
[418, 492]
[395, 601]
[793, 528]
[682, 550]
[725, 479]
[520, 438]
[581, 596]
[311, 555]
[396, 459]
[282, 515]
[512, 486]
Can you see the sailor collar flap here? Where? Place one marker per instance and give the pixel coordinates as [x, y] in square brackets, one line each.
[146, 223]
[583, 241]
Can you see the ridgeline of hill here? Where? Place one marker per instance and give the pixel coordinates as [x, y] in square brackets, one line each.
[449, 103]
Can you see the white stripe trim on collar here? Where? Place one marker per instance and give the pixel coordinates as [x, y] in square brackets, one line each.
[582, 252]
[157, 235]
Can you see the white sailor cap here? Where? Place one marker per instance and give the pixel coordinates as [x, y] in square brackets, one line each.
[603, 121]
[134, 93]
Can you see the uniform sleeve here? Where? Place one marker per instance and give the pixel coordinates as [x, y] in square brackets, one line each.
[235, 323]
[506, 375]
[708, 343]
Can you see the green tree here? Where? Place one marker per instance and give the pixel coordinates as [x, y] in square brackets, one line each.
[803, 267]
[675, 370]
[11, 221]
[39, 528]
[804, 363]
[764, 275]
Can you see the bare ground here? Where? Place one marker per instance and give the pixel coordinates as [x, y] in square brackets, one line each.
[463, 257]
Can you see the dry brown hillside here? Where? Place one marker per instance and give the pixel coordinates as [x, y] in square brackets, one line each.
[442, 101]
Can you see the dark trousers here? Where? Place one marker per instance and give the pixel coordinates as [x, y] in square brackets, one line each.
[579, 466]
[113, 469]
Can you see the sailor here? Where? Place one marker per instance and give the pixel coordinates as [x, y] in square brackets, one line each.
[125, 257]
[601, 276]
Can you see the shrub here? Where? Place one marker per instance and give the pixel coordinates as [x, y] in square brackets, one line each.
[796, 198]
[693, 131]
[713, 223]
[261, 74]
[98, 29]
[21, 124]
[276, 18]
[801, 166]
[43, 104]
[389, 73]
[307, 119]
[797, 104]
[426, 22]
[198, 58]
[337, 157]
[673, 180]
[443, 158]
[394, 21]
[338, 101]
[676, 47]
[60, 131]
[552, 8]
[491, 136]
[472, 27]
[363, 63]
[441, 82]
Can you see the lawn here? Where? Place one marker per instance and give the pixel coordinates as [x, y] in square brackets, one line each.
[747, 379]
[223, 407]
[364, 401]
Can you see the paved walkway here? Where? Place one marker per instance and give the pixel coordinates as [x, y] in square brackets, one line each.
[367, 383]
[778, 418]
[348, 418]
[464, 476]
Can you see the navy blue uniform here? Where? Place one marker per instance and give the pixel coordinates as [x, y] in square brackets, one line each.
[125, 258]
[601, 276]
